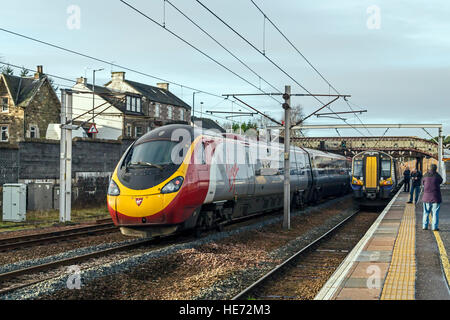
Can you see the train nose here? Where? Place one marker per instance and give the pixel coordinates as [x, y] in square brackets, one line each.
[140, 206]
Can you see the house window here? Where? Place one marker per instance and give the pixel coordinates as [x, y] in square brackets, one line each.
[129, 130]
[4, 135]
[181, 114]
[34, 132]
[5, 105]
[169, 112]
[138, 104]
[138, 131]
[134, 104]
[157, 110]
[128, 103]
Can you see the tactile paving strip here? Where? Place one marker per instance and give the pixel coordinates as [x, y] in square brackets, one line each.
[400, 280]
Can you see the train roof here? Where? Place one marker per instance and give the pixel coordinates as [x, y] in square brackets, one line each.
[165, 132]
[372, 152]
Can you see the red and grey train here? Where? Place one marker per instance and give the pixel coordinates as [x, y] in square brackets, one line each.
[178, 177]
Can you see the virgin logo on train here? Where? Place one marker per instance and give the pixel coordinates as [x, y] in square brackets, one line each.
[231, 172]
[139, 201]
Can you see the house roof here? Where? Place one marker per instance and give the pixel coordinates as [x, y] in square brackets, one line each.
[110, 97]
[22, 88]
[158, 94]
[208, 124]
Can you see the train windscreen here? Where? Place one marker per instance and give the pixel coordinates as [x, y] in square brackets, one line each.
[158, 152]
[358, 168]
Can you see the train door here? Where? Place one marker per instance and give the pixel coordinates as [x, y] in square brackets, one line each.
[202, 167]
[371, 172]
[250, 171]
[294, 171]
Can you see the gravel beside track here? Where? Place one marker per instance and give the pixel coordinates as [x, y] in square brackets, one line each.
[63, 247]
[37, 230]
[304, 276]
[213, 267]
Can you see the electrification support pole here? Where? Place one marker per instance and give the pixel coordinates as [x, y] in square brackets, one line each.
[65, 164]
[287, 171]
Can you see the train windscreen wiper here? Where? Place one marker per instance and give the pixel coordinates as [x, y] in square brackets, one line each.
[145, 164]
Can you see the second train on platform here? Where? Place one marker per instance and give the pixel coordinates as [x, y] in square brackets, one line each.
[376, 178]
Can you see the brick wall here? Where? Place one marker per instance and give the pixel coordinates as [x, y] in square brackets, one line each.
[37, 159]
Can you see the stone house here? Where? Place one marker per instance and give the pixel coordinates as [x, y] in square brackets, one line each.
[28, 106]
[127, 109]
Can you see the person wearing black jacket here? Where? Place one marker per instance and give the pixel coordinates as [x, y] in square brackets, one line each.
[416, 177]
[406, 178]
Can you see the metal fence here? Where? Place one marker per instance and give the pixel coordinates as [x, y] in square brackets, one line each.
[9, 166]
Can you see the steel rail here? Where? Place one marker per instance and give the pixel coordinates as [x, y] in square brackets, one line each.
[61, 262]
[292, 257]
[26, 240]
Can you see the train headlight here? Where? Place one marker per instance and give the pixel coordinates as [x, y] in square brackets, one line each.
[113, 189]
[357, 182]
[387, 182]
[173, 186]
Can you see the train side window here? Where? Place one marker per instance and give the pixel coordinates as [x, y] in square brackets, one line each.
[385, 168]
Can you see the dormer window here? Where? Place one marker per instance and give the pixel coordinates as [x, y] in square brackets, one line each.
[134, 104]
[5, 107]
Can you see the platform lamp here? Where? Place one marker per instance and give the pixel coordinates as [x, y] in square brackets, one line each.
[93, 95]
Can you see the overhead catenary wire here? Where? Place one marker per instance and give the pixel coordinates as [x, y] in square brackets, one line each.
[193, 47]
[106, 62]
[227, 50]
[304, 57]
[269, 59]
[88, 98]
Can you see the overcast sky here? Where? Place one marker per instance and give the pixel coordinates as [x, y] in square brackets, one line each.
[395, 64]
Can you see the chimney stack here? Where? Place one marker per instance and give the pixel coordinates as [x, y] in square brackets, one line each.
[39, 73]
[118, 76]
[82, 80]
[163, 85]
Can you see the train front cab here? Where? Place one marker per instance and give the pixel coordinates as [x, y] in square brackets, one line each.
[373, 176]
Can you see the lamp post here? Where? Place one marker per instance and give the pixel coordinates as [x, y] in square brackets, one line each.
[193, 104]
[93, 95]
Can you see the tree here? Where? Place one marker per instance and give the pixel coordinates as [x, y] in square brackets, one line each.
[24, 72]
[7, 70]
[52, 83]
[296, 115]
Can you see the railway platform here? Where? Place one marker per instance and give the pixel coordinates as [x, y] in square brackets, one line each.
[396, 259]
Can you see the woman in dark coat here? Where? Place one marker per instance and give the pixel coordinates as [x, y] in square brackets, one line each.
[432, 197]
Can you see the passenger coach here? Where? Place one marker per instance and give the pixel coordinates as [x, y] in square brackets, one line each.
[177, 177]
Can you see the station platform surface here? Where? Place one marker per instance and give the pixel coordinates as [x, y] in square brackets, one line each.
[396, 259]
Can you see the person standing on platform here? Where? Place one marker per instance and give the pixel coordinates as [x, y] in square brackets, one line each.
[416, 180]
[432, 197]
[406, 178]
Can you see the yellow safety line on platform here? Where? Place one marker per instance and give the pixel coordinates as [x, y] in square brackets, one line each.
[401, 277]
[444, 257]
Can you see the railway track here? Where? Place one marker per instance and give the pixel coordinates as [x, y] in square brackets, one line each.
[24, 277]
[40, 238]
[305, 272]
[12, 280]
